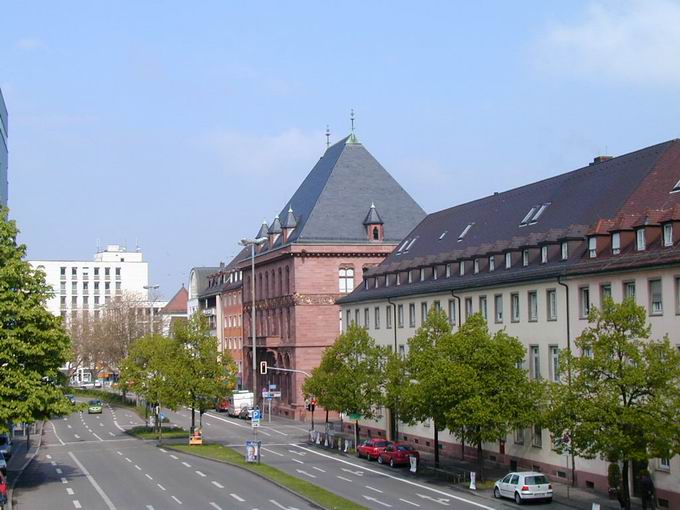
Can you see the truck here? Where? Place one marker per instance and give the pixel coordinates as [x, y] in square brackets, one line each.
[238, 400]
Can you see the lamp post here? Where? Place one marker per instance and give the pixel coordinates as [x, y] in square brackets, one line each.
[252, 243]
[151, 287]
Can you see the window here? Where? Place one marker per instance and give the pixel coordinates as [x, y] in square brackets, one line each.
[538, 214]
[665, 464]
[508, 260]
[530, 214]
[423, 312]
[676, 187]
[498, 308]
[74, 272]
[535, 362]
[551, 302]
[86, 288]
[62, 287]
[412, 315]
[118, 289]
[537, 437]
[452, 311]
[74, 301]
[492, 263]
[410, 276]
[434, 272]
[356, 317]
[514, 307]
[422, 274]
[400, 316]
[629, 290]
[402, 351]
[63, 301]
[482, 306]
[96, 272]
[464, 232]
[544, 254]
[554, 363]
[592, 247]
[86, 273]
[96, 287]
[437, 305]
[367, 318]
[640, 239]
[584, 302]
[533, 306]
[86, 301]
[461, 268]
[655, 298]
[376, 317]
[443, 234]
[476, 266]
[62, 272]
[677, 295]
[349, 318]
[96, 300]
[387, 280]
[346, 279]
[668, 234]
[388, 316]
[616, 243]
[468, 307]
[74, 287]
[525, 257]
[107, 272]
[564, 250]
[448, 270]
[398, 279]
[519, 436]
[605, 292]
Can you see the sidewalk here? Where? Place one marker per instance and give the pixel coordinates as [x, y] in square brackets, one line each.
[21, 457]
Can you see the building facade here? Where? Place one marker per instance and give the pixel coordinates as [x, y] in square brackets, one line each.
[346, 216]
[175, 310]
[533, 261]
[4, 152]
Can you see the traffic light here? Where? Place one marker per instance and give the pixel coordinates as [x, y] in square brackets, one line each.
[263, 367]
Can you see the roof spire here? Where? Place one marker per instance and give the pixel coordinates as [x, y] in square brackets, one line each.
[351, 118]
[328, 136]
[352, 138]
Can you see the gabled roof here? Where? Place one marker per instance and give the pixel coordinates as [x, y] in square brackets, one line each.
[275, 227]
[178, 303]
[263, 230]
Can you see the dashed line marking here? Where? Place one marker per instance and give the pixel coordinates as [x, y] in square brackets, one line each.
[48, 456]
[59, 471]
[95, 435]
[53, 463]
[64, 480]
[128, 459]
[217, 484]
[343, 478]
[163, 450]
[272, 451]
[148, 476]
[201, 474]
[319, 469]
[174, 457]
[178, 501]
[69, 426]
[76, 436]
[69, 491]
[54, 429]
[137, 467]
[237, 497]
[186, 464]
[215, 505]
[119, 453]
[77, 504]
[373, 489]
[409, 502]
[112, 434]
[160, 487]
[298, 461]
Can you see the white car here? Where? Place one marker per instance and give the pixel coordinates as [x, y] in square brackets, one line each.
[524, 486]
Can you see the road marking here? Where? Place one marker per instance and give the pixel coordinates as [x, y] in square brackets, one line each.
[69, 491]
[178, 501]
[272, 451]
[59, 471]
[227, 421]
[119, 453]
[201, 474]
[343, 478]
[319, 469]
[95, 435]
[237, 497]
[69, 426]
[94, 483]
[76, 436]
[137, 467]
[119, 427]
[149, 507]
[402, 480]
[128, 459]
[215, 506]
[441, 501]
[160, 487]
[148, 476]
[376, 500]
[65, 418]
[53, 463]
[277, 431]
[174, 457]
[373, 489]
[409, 502]
[355, 473]
[76, 503]
[163, 450]
[186, 464]
[101, 424]
[297, 453]
[112, 434]
[64, 480]
[48, 456]
[54, 429]
[217, 484]
[279, 505]
[298, 461]
[305, 473]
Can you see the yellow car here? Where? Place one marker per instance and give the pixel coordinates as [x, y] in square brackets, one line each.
[94, 407]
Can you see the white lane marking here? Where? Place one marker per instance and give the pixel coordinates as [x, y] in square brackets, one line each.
[305, 473]
[319, 469]
[119, 453]
[76, 503]
[208, 424]
[409, 502]
[94, 483]
[227, 421]
[343, 478]
[69, 426]
[298, 461]
[48, 456]
[174, 457]
[186, 464]
[64, 480]
[101, 424]
[215, 506]
[237, 497]
[160, 487]
[301, 454]
[277, 431]
[112, 434]
[149, 507]
[53, 463]
[441, 501]
[201, 474]
[59, 471]
[376, 500]
[132, 422]
[128, 459]
[54, 429]
[137, 467]
[148, 476]
[76, 436]
[163, 450]
[279, 505]
[264, 433]
[95, 435]
[69, 491]
[373, 489]
[65, 418]
[119, 427]
[355, 473]
[178, 501]
[217, 484]
[272, 451]
[387, 475]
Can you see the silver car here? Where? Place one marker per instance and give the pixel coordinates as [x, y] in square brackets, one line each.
[6, 445]
[524, 486]
[3, 464]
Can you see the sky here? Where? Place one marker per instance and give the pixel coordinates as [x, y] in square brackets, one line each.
[179, 127]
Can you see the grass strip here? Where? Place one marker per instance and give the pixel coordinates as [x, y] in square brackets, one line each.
[319, 495]
[143, 432]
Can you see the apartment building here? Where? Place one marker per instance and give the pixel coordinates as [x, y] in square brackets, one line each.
[532, 261]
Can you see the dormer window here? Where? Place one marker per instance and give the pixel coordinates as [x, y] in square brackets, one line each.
[443, 235]
[461, 268]
[640, 243]
[448, 270]
[410, 277]
[434, 272]
[492, 263]
[564, 250]
[464, 232]
[544, 254]
[676, 187]
[376, 234]
[508, 260]
[525, 257]
[398, 278]
[616, 243]
[422, 274]
[592, 247]
[377, 281]
[476, 266]
[387, 280]
[668, 234]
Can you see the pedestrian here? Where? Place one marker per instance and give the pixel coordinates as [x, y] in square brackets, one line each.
[648, 491]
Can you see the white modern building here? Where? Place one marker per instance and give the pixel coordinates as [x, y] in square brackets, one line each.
[89, 285]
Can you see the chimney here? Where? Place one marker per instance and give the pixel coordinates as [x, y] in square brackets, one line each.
[600, 159]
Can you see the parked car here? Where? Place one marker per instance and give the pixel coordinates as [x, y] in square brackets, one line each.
[524, 486]
[372, 448]
[6, 445]
[94, 407]
[246, 413]
[397, 454]
[3, 464]
[72, 399]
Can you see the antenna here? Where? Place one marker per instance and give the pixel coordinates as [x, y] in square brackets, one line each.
[351, 118]
[328, 136]
[98, 246]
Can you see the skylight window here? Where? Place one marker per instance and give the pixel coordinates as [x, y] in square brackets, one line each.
[408, 247]
[540, 211]
[443, 235]
[464, 232]
[676, 187]
[534, 214]
[401, 248]
[529, 215]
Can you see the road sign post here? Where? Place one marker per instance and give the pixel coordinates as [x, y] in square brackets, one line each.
[255, 419]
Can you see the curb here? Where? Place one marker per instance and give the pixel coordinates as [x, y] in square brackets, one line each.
[10, 491]
[313, 503]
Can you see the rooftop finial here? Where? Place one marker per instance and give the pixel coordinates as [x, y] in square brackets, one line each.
[290, 208]
[351, 118]
[328, 136]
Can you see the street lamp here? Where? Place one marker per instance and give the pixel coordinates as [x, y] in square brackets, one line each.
[151, 287]
[252, 243]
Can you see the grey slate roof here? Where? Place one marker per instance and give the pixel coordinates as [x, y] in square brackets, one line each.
[373, 218]
[202, 274]
[289, 220]
[263, 230]
[275, 227]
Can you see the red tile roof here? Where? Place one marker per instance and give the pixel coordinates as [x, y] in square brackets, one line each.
[178, 304]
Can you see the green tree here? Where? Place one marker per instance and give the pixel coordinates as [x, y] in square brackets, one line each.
[350, 375]
[208, 374]
[495, 395]
[33, 344]
[623, 403]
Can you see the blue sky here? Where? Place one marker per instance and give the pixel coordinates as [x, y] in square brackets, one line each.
[181, 126]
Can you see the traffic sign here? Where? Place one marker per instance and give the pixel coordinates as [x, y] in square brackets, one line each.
[272, 387]
[275, 394]
[255, 423]
[256, 414]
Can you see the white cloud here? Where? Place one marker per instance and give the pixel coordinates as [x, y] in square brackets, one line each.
[635, 41]
[30, 43]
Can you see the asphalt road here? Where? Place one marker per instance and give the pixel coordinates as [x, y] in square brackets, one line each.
[87, 461]
[366, 482]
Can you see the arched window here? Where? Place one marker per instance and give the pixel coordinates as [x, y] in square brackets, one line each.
[376, 234]
[266, 285]
[346, 279]
[280, 283]
[287, 280]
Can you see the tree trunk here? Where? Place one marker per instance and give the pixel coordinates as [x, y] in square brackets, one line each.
[356, 433]
[436, 444]
[624, 485]
[480, 461]
[200, 419]
[326, 415]
[193, 418]
[462, 447]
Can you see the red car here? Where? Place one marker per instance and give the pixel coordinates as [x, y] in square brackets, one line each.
[398, 454]
[371, 448]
